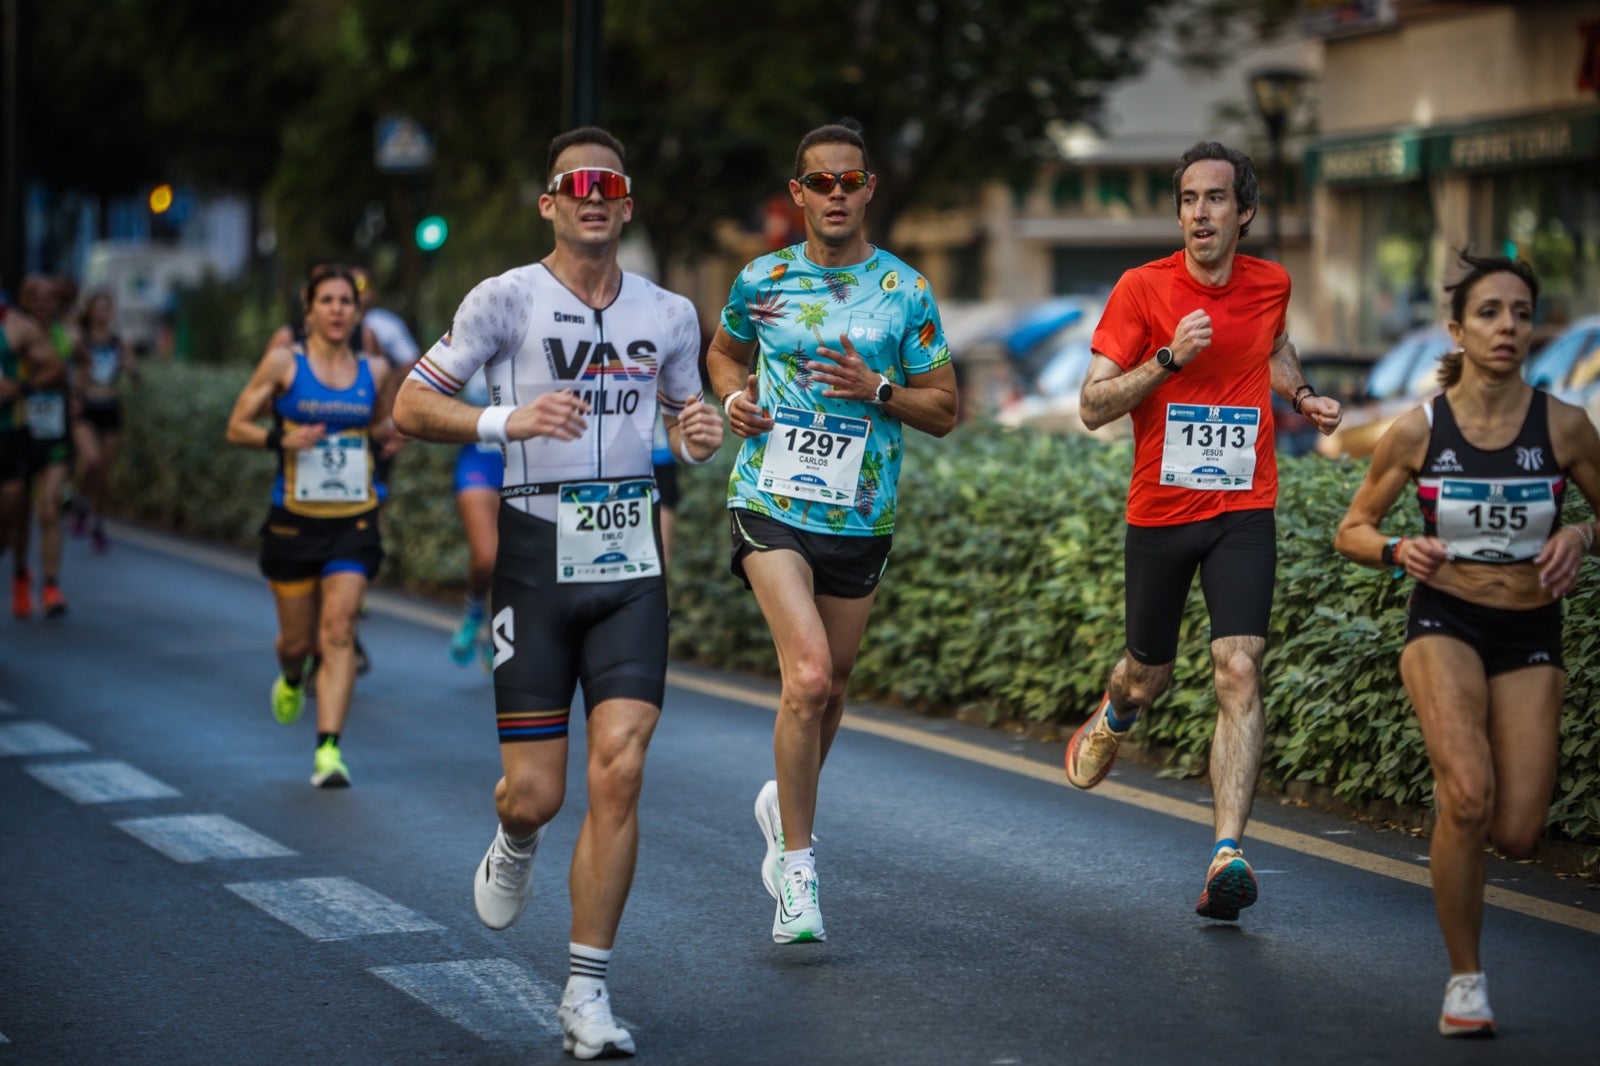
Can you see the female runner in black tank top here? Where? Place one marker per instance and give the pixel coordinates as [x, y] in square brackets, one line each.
[1482, 660]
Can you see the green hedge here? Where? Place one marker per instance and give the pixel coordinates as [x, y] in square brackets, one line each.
[1004, 592]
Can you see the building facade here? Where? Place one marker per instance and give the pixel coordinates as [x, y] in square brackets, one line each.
[1447, 127]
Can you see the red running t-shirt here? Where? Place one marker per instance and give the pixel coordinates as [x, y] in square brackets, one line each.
[1203, 439]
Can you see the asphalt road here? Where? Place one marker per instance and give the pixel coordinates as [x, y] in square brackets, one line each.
[172, 890]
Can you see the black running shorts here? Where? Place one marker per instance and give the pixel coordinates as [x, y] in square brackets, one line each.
[549, 637]
[294, 547]
[1505, 640]
[1237, 556]
[847, 567]
[105, 416]
[13, 455]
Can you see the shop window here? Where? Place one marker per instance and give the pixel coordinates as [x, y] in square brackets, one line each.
[1551, 217]
[1115, 188]
[1398, 290]
[1068, 189]
[1158, 190]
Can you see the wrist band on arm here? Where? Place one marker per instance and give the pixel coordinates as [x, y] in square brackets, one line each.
[729, 397]
[274, 441]
[492, 424]
[1300, 395]
[1585, 531]
[683, 452]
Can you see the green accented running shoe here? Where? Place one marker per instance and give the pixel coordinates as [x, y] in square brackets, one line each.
[798, 919]
[287, 701]
[330, 771]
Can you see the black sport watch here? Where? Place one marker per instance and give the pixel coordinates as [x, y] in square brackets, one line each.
[885, 390]
[1165, 361]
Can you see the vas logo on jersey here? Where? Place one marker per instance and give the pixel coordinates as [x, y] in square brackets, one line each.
[589, 361]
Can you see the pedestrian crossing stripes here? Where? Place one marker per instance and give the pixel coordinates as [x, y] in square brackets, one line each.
[494, 999]
[202, 838]
[332, 908]
[108, 781]
[37, 738]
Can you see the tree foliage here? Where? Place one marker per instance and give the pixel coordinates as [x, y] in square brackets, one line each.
[278, 99]
[949, 93]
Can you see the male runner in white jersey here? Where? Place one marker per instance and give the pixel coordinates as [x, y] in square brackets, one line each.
[577, 354]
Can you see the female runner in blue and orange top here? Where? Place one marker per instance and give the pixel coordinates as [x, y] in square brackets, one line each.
[320, 543]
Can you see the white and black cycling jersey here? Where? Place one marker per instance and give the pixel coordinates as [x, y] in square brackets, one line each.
[532, 335]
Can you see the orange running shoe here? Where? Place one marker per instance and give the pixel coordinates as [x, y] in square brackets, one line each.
[55, 604]
[22, 594]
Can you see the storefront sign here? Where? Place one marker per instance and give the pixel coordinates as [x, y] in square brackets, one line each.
[1540, 140]
[1516, 143]
[1386, 159]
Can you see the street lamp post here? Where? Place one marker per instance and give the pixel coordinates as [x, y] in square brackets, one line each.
[1276, 92]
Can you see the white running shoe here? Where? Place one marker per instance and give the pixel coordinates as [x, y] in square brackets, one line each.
[504, 882]
[772, 828]
[798, 919]
[588, 1031]
[1466, 1007]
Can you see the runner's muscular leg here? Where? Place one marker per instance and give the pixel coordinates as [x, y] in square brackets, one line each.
[618, 732]
[336, 635]
[845, 621]
[1444, 679]
[1524, 742]
[297, 625]
[1135, 685]
[1241, 731]
[782, 582]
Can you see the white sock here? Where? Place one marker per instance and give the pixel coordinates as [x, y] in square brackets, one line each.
[806, 857]
[588, 970]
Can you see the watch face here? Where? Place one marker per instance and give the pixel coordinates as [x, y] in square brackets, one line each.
[884, 391]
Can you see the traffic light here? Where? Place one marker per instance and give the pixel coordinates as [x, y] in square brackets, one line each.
[432, 233]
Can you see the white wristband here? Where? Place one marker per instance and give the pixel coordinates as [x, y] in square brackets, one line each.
[492, 424]
[729, 397]
[683, 453]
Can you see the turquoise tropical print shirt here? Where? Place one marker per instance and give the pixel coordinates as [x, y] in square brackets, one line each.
[828, 466]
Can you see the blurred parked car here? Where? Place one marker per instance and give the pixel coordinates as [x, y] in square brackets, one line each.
[1342, 375]
[1399, 380]
[1568, 365]
[1050, 370]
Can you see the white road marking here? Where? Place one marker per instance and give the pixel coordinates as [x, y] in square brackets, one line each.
[109, 781]
[202, 838]
[37, 738]
[332, 908]
[494, 999]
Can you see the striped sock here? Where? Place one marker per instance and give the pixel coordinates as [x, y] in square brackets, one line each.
[588, 972]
